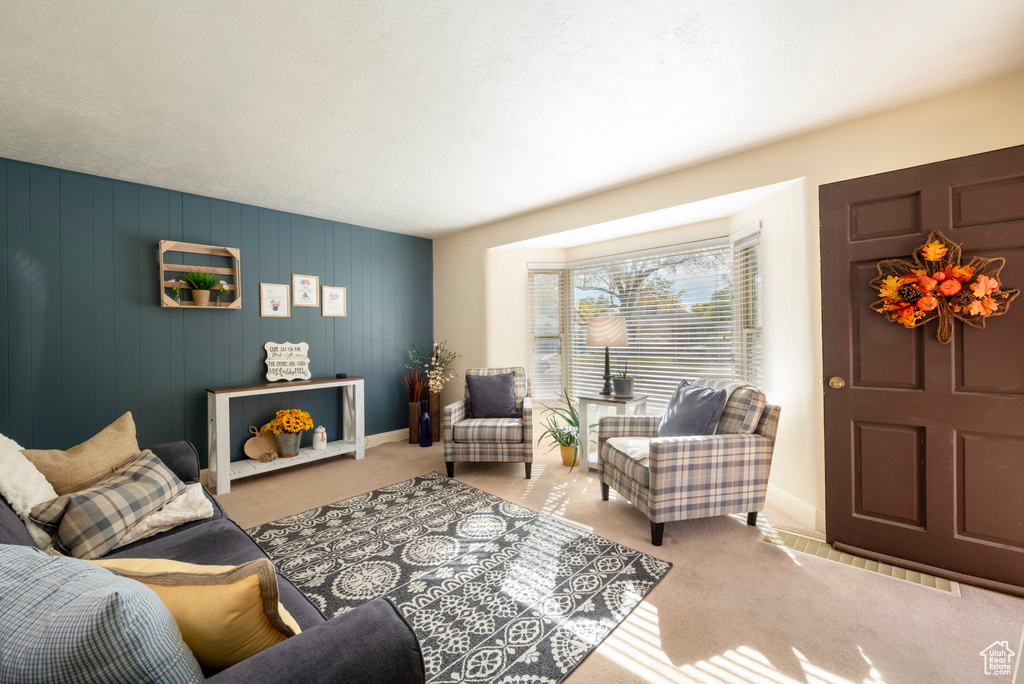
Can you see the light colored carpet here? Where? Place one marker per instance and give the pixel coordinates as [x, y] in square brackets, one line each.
[731, 610]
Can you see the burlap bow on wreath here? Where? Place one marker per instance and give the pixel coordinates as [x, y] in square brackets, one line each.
[935, 285]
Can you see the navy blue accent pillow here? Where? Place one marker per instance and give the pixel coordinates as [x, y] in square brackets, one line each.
[492, 396]
[693, 410]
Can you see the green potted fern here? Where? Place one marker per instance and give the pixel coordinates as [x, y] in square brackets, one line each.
[201, 283]
[565, 433]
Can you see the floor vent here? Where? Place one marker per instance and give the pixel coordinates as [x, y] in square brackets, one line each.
[817, 547]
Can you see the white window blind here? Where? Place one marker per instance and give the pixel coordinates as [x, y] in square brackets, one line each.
[746, 266]
[691, 311]
[678, 312]
[546, 292]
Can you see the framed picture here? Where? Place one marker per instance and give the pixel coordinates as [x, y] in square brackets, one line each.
[274, 301]
[305, 289]
[334, 301]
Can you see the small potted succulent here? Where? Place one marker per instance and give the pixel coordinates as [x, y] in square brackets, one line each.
[623, 382]
[201, 283]
[287, 427]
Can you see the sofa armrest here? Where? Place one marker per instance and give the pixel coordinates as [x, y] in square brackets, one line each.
[452, 414]
[371, 644]
[625, 426]
[181, 457]
[668, 448]
[527, 418]
[704, 462]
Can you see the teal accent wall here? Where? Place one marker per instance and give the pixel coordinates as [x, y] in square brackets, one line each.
[83, 337]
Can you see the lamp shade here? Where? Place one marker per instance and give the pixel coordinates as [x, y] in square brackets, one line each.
[607, 332]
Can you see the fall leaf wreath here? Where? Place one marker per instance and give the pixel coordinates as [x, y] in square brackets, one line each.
[935, 285]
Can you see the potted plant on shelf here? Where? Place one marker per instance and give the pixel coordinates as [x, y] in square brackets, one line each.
[287, 427]
[220, 290]
[176, 289]
[201, 283]
[623, 382]
[415, 382]
[565, 434]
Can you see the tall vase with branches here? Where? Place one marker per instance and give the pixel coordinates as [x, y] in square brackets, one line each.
[437, 368]
[415, 382]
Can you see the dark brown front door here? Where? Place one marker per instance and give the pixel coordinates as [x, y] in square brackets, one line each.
[924, 445]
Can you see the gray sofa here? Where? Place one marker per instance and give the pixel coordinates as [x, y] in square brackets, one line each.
[372, 643]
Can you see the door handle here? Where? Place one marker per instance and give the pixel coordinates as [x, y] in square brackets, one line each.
[836, 382]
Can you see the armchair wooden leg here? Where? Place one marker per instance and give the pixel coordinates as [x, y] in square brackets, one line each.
[450, 465]
[529, 470]
[752, 518]
[604, 492]
[657, 532]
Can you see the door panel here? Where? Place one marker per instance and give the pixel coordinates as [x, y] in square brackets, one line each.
[991, 472]
[889, 473]
[885, 217]
[977, 350]
[981, 204]
[884, 356]
[924, 446]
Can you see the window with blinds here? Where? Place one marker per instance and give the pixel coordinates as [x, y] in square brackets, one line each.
[746, 269]
[692, 311]
[546, 290]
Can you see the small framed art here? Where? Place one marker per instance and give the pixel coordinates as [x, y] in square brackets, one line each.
[334, 301]
[305, 289]
[274, 301]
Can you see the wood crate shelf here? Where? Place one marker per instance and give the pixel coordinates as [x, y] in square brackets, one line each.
[234, 272]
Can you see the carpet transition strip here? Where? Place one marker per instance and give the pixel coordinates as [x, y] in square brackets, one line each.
[817, 547]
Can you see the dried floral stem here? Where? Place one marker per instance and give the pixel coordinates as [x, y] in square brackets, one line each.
[414, 383]
[436, 366]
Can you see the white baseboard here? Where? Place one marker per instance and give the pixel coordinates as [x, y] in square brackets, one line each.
[385, 437]
[371, 441]
[804, 512]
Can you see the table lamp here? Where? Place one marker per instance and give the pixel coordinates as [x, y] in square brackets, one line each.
[607, 332]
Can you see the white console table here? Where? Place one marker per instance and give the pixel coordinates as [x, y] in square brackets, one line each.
[223, 470]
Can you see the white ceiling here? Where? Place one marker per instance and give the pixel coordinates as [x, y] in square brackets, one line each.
[429, 116]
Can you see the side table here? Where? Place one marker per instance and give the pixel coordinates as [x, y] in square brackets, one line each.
[223, 469]
[623, 406]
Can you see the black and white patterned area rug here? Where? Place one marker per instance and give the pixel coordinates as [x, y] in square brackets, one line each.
[495, 592]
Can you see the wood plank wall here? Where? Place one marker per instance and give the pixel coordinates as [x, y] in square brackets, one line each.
[84, 339]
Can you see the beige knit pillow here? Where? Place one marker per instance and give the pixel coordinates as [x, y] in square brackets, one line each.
[84, 465]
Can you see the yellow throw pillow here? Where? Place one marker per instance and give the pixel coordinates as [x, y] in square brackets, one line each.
[82, 466]
[225, 613]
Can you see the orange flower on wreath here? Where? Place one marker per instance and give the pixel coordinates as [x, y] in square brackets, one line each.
[935, 285]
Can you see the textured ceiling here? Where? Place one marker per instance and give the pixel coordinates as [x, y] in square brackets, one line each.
[428, 116]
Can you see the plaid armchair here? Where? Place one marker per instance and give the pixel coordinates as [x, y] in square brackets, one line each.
[490, 439]
[677, 478]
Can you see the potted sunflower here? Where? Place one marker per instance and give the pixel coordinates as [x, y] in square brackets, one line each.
[287, 427]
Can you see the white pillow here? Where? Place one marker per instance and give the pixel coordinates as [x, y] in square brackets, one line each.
[190, 505]
[24, 487]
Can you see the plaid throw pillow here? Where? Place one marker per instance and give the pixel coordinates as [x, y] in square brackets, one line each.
[64, 620]
[91, 522]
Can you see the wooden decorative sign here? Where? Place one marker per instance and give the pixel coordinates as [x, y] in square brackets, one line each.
[936, 285]
[287, 361]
